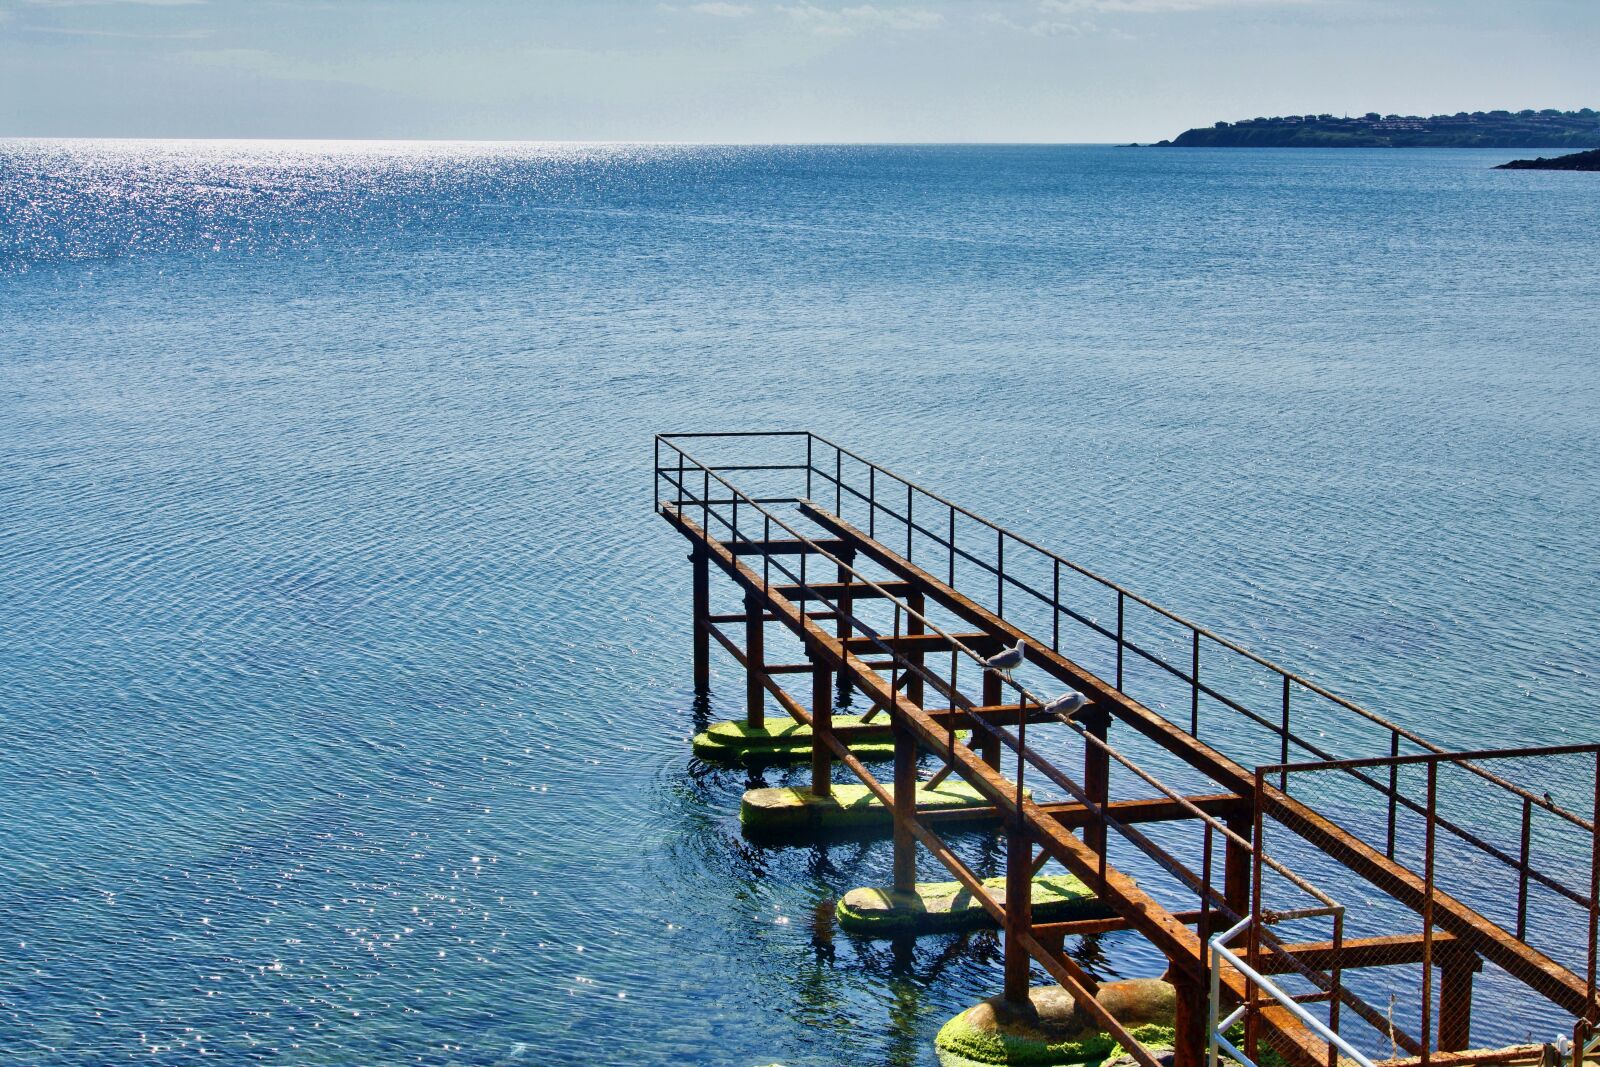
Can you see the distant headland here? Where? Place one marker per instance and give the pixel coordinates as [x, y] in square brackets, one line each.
[1465, 129]
[1589, 160]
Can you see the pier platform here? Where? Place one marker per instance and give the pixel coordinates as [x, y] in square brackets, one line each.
[1324, 883]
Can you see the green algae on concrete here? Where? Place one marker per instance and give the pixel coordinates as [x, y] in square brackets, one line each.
[778, 742]
[1052, 1031]
[847, 807]
[937, 907]
[783, 741]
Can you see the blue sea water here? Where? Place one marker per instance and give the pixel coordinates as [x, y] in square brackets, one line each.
[343, 666]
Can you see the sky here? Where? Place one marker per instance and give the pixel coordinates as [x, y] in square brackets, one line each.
[771, 70]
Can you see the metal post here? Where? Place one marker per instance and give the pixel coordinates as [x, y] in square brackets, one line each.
[1394, 787]
[1283, 737]
[1252, 1027]
[1055, 610]
[821, 727]
[905, 807]
[1236, 863]
[1096, 774]
[845, 602]
[1456, 968]
[915, 656]
[1018, 910]
[1522, 869]
[702, 618]
[1189, 1040]
[988, 744]
[808, 466]
[1194, 688]
[755, 641]
[1000, 573]
[1119, 638]
[1213, 1002]
[1594, 885]
[1426, 1034]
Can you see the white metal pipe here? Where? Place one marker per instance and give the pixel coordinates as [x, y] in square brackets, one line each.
[1312, 1023]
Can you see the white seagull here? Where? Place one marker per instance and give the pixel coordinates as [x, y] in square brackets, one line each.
[1066, 705]
[1007, 660]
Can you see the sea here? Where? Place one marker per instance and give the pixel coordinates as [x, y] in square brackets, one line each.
[345, 686]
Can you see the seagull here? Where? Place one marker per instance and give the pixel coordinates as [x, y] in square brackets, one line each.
[1066, 705]
[1007, 660]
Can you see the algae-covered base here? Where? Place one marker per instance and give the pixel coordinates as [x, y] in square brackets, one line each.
[846, 808]
[1051, 1030]
[938, 907]
[783, 741]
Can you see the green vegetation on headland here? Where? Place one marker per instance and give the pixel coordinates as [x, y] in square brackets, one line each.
[1589, 160]
[1476, 129]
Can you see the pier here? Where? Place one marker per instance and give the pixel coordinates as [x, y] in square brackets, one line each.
[1324, 884]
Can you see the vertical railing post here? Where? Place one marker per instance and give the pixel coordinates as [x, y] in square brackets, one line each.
[1213, 1002]
[1522, 869]
[1283, 738]
[909, 526]
[1594, 894]
[838, 481]
[1252, 932]
[845, 604]
[755, 653]
[872, 502]
[701, 559]
[1018, 909]
[1119, 639]
[1394, 788]
[1000, 573]
[821, 726]
[1194, 687]
[1335, 984]
[1055, 610]
[1426, 1035]
[808, 466]
[951, 577]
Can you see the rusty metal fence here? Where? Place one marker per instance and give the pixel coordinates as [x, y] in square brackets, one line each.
[1509, 835]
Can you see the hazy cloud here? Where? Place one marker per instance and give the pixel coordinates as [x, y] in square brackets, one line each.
[848, 21]
[107, 3]
[722, 10]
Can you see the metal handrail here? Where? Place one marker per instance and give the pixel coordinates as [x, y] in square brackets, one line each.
[1216, 1027]
[1017, 744]
[1197, 631]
